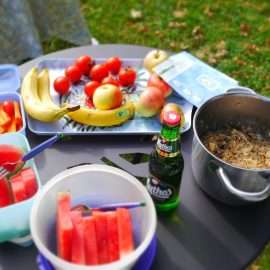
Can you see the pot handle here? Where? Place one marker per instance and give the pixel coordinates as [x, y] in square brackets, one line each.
[241, 89]
[247, 196]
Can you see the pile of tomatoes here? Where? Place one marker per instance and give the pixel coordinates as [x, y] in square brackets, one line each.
[109, 72]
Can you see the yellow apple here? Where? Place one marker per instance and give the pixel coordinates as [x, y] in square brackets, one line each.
[153, 58]
[107, 96]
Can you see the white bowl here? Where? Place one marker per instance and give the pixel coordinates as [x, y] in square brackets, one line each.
[99, 184]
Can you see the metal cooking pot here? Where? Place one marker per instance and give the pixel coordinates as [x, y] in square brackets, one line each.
[221, 180]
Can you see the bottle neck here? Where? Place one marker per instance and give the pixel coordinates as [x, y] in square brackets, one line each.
[168, 144]
[170, 133]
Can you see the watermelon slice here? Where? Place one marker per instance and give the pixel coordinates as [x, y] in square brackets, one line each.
[5, 198]
[64, 226]
[90, 241]
[9, 153]
[126, 242]
[102, 236]
[29, 180]
[77, 250]
[113, 238]
[18, 189]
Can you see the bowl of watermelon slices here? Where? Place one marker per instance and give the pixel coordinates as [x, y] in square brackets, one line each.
[73, 232]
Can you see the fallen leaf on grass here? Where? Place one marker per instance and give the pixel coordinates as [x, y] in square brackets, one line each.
[180, 13]
[173, 45]
[142, 28]
[197, 32]
[135, 14]
[239, 61]
[177, 25]
[245, 29]
[252, 48]
[208, 11]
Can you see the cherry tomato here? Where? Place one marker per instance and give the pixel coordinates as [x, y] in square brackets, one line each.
[73, 73]
[90, 88]
[89, 103]
[8, 108]
[127, 76]
[61, 85]
[114, 64]
[84, 63]
[98, 72]
[110, 80]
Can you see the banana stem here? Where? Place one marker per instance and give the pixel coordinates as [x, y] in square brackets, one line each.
[73, 108]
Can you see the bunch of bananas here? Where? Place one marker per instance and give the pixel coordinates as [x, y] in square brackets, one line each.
[37, 100]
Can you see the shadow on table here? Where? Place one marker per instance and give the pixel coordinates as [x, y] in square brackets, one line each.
[190, 240]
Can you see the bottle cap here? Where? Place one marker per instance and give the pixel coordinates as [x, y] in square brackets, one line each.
[172, 118]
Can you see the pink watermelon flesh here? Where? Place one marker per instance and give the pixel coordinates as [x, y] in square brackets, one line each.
[90, 241]
[9, 153]
[5, 196]
[102, 236]
[18, 189]
[126, 242]
[64, 226]
[113, 237]
[30, 183]
[77, 255]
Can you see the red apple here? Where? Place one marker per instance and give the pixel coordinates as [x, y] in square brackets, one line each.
[150, 102]
[107, 96]
[158, 82]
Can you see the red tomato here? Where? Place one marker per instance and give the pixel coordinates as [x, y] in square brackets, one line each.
[98, 72]
[110, 80]
[8, 108]
[127, 76]
[90, 88]
[84, 63]
[89, 103]
[73, 73]
[61, 85]
[114, 64]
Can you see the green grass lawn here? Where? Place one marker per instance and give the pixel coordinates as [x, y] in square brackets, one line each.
[232, 35]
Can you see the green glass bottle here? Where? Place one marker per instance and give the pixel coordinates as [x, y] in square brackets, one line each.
[166, 165]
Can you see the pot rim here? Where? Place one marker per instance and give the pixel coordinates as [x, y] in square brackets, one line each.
[196, 115]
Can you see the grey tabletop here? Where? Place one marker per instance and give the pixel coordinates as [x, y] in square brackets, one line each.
[201, 234]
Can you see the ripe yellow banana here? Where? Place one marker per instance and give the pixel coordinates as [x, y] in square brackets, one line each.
[35, 92]
[103, 118]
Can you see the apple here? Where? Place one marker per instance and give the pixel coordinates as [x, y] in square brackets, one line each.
[107, 96]
[158, 82]
[150, 102]
[153, 58]
[175, 108]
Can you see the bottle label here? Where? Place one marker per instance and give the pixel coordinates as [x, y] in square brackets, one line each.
[159, 191]
[167, 148]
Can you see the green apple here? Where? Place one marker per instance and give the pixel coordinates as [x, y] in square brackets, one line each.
[153, 58]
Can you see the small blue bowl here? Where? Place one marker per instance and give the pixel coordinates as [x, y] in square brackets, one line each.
[13, 96]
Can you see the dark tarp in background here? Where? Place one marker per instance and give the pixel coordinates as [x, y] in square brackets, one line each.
[24, 24]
